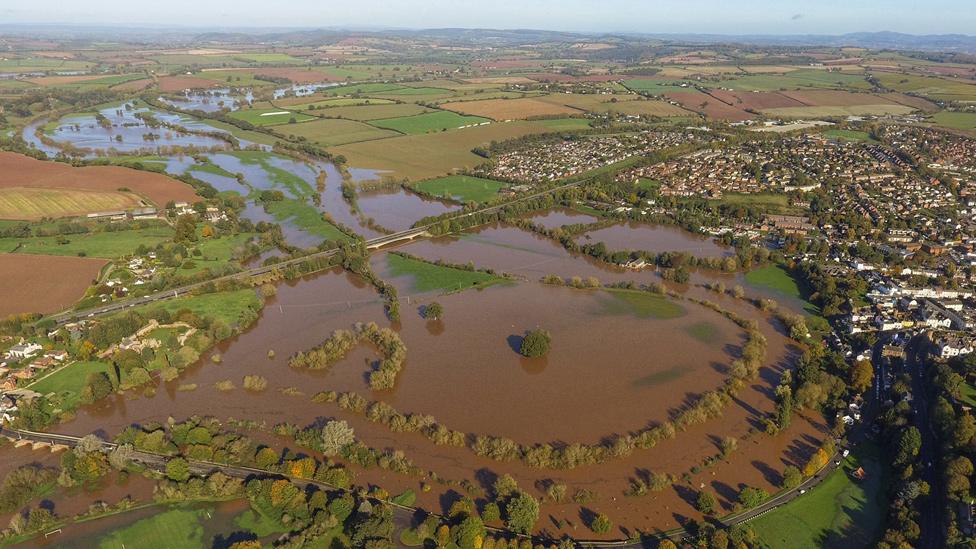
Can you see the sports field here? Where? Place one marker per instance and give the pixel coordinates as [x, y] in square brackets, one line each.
[463, 188]
[34, 203]
[429, 122]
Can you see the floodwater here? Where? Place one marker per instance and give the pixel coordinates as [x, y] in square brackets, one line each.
[211, 100]
[302, 90]
[558, 217]
[656, 239]
[398, 210]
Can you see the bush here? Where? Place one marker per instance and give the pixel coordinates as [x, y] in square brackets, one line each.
[601, 524]
[255, 383]
[535, 344]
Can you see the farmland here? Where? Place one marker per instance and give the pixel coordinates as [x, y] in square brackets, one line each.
[463, 188]
[35, 203]
[270, 117]
[336, 131]
[509, 109]
[369, 112]
[44, 283]
[955, 120]
[429, 122]
[20, 171]
[108, 244]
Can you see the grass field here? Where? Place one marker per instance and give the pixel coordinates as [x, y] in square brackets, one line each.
[270, 117]
[429, 122]
[35, 203]
[967, 394]
[770, 202]
[303, 103]
[69, 381]
[564, 124]
[371, 112]
[335, 131]
[840, 512]
[804, 78]
[955, 120]
[509, 109]
[463, 188]
[174, 528]
[655, 86]
[306, 217]
[775, 278]
[255, 137]
[426, 156]
[935, 88]
[360, 89]
[226, 306]
[849, 135]
[837, 110]
[108, 245]
[427, 277]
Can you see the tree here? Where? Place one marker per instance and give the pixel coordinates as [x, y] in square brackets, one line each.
[601, 524]
[470, 533]
[862, 376]
[751, 497]
[666, 544]
[706, 502]
[535, 344]
[434, 311]
[522, 513]
[908, 445]
[336, 435]
[791, 477]
[186, 229]
[178, 469]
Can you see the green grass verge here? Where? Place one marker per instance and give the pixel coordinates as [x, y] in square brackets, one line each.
[427, 277]
[840, 512]
[463, 188]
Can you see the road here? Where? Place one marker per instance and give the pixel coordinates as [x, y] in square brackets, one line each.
[371, 244]
[930, 514]
[405, 514]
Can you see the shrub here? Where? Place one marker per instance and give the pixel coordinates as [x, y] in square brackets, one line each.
[601, 524]
[255, 383]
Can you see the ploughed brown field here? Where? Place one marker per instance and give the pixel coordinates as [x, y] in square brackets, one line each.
[755, 100]
[133, 85]
[708, 105]
[822, 98]
[17, 170]
[44, 283]
[180, 83]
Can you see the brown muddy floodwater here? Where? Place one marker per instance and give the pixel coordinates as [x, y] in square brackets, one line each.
[557, 217]
[655, 238]
[398, 210]
[617, 364]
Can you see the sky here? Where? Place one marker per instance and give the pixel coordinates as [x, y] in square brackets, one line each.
[649, 16]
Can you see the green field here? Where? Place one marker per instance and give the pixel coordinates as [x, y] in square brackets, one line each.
[639, 304]
[418, 91]
[306, 217]
[772, 203]
[108, 245]
[270, 117]
[655, 86]
[330, 132]
[804, 78]
[340, 102]
[270, 58]
[565, 124]
[849, 135]
[967, 394]
[840, 512]
[955, 120]
[216, 252]
[852, 110]
[172, 529]
[371, 112]
[430, 122]
[427, 277]
[775, 278]
[226, 306]
[360, 89]
[935, 88]
[463, 188]
[68, 381]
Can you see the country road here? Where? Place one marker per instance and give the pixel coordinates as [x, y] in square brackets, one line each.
[404, 514]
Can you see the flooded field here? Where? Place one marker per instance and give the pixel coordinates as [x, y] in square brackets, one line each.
[656, 239]
[558, 217]
[211, 100]
[400, 209]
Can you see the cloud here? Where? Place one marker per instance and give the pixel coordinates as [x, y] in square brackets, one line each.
[797, 16]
